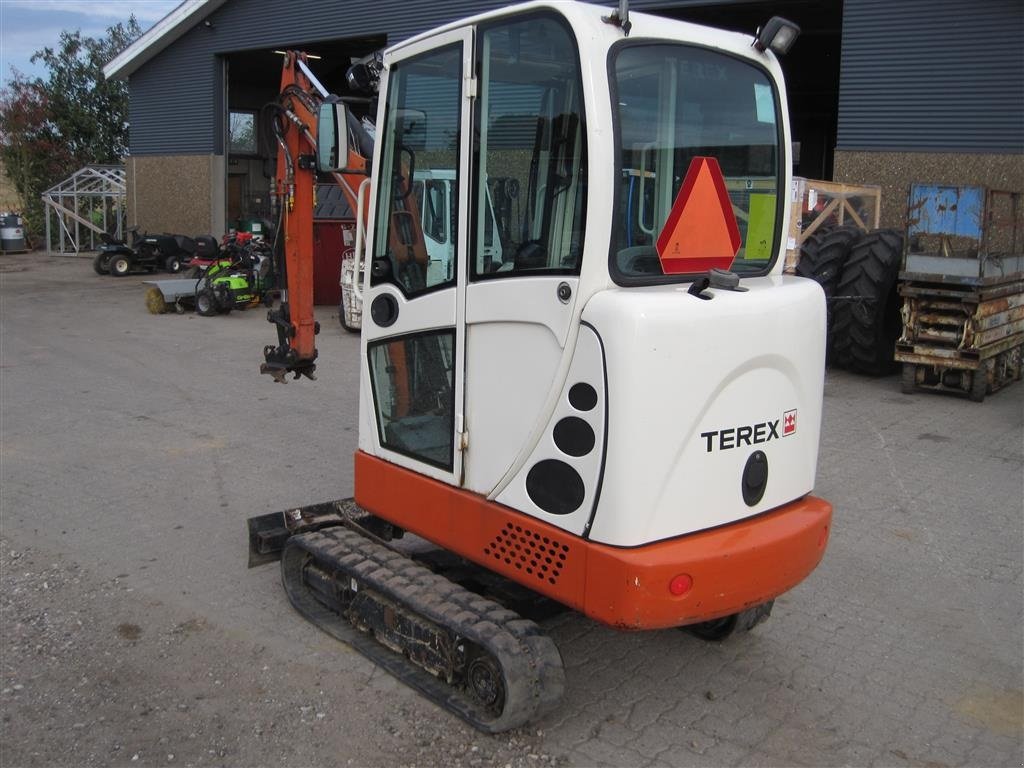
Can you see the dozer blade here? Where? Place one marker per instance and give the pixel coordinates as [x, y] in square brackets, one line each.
[466, 653]
[268, 533]
[267, 536]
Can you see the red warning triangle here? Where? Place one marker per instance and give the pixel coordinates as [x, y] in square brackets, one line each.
[701, 231]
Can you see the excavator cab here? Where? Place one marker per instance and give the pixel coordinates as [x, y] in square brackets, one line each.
[577, 384]
[620, 406]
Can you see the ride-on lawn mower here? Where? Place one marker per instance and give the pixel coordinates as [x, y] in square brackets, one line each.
[208, 252]
[237, 284]
[237, 279]
[148, 252]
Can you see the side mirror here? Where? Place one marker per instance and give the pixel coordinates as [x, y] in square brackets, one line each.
[332, 137]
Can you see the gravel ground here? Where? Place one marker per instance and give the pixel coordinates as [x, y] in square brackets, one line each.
[96, 673]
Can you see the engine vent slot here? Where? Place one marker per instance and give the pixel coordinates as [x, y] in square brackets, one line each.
[529, 551]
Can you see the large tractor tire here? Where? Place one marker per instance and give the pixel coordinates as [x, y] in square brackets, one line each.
[823, 263]
[867, 314]
[808, 253]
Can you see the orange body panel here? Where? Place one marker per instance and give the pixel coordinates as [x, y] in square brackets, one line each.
[733, 567]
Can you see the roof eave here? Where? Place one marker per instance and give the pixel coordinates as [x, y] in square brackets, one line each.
[159, 36]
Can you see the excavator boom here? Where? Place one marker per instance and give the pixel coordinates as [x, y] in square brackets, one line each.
[294, 126]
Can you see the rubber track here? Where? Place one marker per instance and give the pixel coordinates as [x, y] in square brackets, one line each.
[531, 665]
[861, 339]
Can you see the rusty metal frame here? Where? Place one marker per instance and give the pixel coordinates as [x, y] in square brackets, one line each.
[963, 300]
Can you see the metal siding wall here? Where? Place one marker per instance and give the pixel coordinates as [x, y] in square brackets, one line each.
[175, 102]
[172, 101]
[932, 75]
[174, 97]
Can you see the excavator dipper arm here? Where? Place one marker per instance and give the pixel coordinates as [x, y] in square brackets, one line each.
[295, 129]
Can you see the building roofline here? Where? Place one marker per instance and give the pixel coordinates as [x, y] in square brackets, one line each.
[159, 36]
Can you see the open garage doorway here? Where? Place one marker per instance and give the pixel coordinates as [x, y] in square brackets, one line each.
[253, 80]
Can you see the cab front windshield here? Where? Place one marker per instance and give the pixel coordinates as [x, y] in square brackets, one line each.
[676, 103]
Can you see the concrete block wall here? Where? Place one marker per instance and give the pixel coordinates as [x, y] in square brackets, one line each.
[896, 171]
[183, 194]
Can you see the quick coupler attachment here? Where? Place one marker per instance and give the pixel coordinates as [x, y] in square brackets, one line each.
[280, 361]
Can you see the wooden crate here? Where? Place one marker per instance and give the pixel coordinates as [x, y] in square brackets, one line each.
[817, 204]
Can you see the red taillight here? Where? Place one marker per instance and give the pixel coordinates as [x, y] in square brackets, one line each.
[680, 585]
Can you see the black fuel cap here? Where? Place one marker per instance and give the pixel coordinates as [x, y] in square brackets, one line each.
[755, 478]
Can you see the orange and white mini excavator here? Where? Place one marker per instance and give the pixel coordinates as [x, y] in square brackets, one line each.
[620, 407]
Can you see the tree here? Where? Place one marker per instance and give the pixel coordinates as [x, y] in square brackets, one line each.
[89, 111]
[51, 127]
[32, 150]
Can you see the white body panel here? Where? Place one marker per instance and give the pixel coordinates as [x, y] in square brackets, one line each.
[680, 368]
[586, 367]
[512, 362]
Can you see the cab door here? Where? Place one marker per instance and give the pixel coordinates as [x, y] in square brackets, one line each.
[413, 337]
[526, 241]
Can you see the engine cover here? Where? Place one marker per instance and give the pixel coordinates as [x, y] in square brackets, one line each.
[714, 406]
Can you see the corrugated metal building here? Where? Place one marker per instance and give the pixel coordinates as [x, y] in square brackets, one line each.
[932, 91]
[880, 91]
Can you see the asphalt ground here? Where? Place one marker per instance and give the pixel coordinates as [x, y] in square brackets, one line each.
[133, 447]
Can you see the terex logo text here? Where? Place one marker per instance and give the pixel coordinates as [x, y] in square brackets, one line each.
[750, 434]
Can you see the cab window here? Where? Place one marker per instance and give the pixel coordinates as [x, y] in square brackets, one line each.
[530, 185]
[675, 103]
[412, 246]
